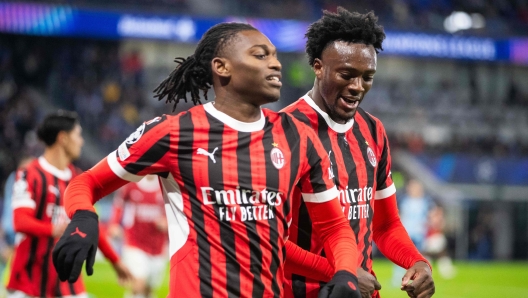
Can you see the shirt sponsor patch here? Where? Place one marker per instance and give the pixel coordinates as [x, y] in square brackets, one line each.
[123, 152]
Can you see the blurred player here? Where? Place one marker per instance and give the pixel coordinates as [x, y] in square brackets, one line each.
[226, 169]
[140, 210]
[342, 48]
[8, 239]
[435, 244]
[39, 217]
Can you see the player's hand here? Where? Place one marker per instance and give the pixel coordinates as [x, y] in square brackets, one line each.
[418, 281]
[343, 285]
[58, 229]
[114, 231]
[78, 243]
[124, 276]
[367, 283]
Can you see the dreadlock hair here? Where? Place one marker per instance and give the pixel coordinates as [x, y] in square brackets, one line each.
[54, 123]
[194, 73]
[344, 26]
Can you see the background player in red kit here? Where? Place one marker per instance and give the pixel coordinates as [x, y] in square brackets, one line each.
[139, 212]
[342, 48]
[226, 169]
[39, 216]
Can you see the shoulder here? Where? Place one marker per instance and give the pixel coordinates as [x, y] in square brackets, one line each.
[368, 117]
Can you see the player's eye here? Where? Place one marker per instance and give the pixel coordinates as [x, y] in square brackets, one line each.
[261, 56]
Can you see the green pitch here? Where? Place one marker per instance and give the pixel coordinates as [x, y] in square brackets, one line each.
[473, 279]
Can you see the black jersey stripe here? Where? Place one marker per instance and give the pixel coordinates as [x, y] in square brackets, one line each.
[255, 251]
[370, 183]
[304, 224]
[351, 169]
[45, 263]
[301, 117]
[41, 204]
[371, 123]
[272, 183]
[184, 149]
[382, 173]
[227, 235]
[152, 155]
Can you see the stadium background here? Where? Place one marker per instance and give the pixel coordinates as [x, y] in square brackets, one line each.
[451, 89]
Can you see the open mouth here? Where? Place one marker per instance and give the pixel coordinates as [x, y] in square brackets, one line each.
[275, 80]
[350, 103]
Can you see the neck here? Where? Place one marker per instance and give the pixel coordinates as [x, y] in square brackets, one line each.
[316, 96]
[237, 108]
[57, 157]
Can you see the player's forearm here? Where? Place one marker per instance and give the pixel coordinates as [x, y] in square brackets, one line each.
[335, 232]
[305, 263]
[24, 221]
[107, 249]
[390, 235]
[86, 189]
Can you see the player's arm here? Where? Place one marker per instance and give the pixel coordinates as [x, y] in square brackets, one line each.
[389, 234]
[305, 263]
[321, 198]
[144, 152]
[24, 214]
[123, 273]
[114, 224]
[24, 221]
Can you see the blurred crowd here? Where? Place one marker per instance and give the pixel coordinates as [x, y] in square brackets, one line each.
[501, 16]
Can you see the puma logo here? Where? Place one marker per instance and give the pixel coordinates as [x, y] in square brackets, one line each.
[204, 152]
[83, 235]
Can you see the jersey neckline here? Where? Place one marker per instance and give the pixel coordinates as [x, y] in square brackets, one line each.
[337, 127]
[232, 122]
[65, 174]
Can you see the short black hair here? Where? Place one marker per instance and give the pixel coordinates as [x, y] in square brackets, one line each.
[194, 73]
[54, 123]
[345, 26]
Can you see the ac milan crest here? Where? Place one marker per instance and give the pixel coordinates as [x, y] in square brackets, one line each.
[277, 158]
[371, 157]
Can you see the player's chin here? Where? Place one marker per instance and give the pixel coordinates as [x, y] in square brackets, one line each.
[272, 96]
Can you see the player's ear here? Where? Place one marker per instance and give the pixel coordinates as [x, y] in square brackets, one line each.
[221, 67]
[318, 68]
[61, 137]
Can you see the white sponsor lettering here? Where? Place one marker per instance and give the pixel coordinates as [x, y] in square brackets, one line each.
[356, 211]
[242, 204]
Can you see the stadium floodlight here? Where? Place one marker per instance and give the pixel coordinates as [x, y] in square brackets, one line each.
[459, 20]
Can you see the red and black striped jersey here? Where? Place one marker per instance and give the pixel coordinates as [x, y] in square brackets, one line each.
[40, 186]
[226, 187]
[360, 165]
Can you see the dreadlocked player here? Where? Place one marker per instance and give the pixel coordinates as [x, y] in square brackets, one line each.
[342, 49]
[226, 169]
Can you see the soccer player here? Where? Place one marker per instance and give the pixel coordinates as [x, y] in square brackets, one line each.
[139, 209]
[342, 48]
[226, 169]
[39, 217]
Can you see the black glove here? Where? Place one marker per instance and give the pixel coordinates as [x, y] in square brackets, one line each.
[78, 243]
[343, 285]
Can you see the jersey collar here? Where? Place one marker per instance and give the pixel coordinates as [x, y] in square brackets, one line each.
[337, 127]
[233, 123]
[65, 174]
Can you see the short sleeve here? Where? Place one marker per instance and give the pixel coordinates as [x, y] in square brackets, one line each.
[385, 186]
[145, 151]
[316, 183]
[23, 192]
